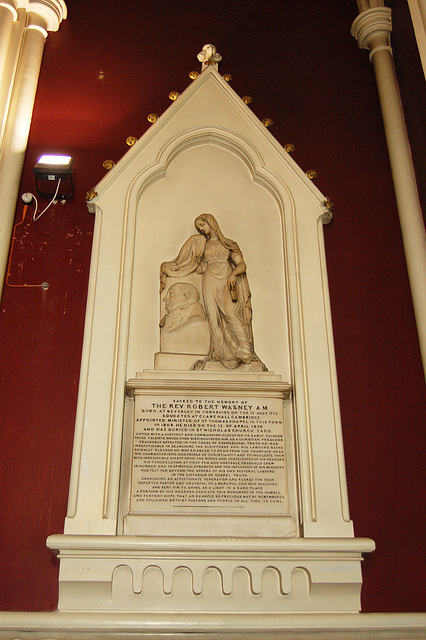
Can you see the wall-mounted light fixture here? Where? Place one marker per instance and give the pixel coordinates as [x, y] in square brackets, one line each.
[53, 174]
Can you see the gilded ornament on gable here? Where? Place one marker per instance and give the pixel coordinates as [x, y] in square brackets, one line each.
[174, 95]
[312, 174]
[152, 117]
[227, 76]
[247, 99]
[108, 164]
[91, 194]
[193, 74]
[328, 204]
[289, 147]
[268, 122]
[131, 140]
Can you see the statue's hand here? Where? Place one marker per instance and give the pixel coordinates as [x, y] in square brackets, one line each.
[232, 282]
[232, 285]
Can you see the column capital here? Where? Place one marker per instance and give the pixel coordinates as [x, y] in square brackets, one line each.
[11, 5]
[51, 12]
[372, 29]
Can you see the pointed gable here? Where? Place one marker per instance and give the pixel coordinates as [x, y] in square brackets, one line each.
[209, 112]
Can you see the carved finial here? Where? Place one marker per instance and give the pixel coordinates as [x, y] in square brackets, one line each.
[209, 56]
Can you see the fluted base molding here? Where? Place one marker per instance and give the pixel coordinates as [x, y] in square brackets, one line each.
[241, 576]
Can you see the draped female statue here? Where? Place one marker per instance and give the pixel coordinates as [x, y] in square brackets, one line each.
[225, 288]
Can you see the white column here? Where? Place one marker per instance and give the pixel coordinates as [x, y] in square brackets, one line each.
[8, 15]
[10, 65]
[40, 18]
[372, 30]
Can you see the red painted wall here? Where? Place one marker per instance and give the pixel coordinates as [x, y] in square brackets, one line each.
[304, 70]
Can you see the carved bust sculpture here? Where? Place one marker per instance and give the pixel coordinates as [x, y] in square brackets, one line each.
[226, 292]
[182, 302]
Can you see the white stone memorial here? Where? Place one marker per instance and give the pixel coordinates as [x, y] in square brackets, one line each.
[208, 473]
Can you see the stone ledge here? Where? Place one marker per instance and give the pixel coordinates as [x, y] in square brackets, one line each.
[225, 545]
[171, 626]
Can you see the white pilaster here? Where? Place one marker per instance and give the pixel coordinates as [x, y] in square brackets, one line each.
[21, 70]
[372, 30]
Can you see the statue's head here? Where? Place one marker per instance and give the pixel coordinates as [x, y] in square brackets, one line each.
[203, 223]
[206, 223]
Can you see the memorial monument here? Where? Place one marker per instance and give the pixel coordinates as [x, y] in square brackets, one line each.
[208, 473]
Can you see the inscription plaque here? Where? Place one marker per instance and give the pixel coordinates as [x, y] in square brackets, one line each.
[208, 454]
